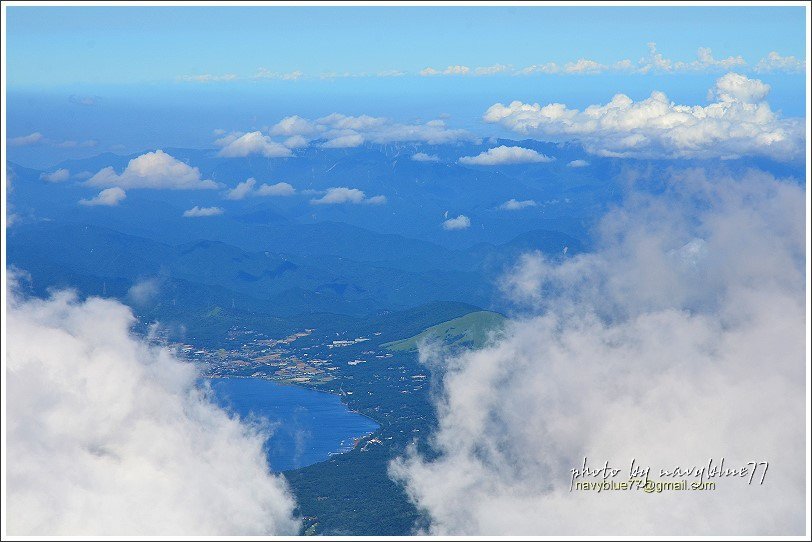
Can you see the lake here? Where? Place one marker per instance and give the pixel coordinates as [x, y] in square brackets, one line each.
[308, 425]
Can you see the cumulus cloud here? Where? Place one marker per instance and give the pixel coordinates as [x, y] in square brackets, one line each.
[26, 140]
[107, 435]
[196, 212]
[157, 170]
[578, 163]
[423, 157]
[459, 223]
[248, 188]
[505, 155]
[516, 205]
[277, 189]
[739, 122]
[109, 197]
[293, 126]
[57, 176]
[240, 145]
[775, 62]
[679, 340]
[342, 194]
[347, 131]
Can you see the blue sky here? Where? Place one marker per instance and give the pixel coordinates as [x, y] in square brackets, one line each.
[127, 79]
[58, 46]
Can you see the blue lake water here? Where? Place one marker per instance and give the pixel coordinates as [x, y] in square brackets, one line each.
[308, 426]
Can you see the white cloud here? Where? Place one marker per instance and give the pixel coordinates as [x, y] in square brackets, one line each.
[240, 145]
[490, 70]
[655, 61]
[549, 67]
[681, 339]
[107, 435]
[342, 194]
[515, 205]
[242, 189]
[57, 176]
[72, 144]
[706, 61]
[293, 126]
[460, 223]
[774, 62]
[108, 197]
[505, 155]
[249, 188]
[347, 131]
[455, 69]
[196, 211]
[344, 141]
[263, 73]
[739, 123]
[156, 170]
[144, 291]
[24, 141]
[736, 88]
[584, 65]
[423, 157]
[208, 78]
[578, 163]
[376, 200]
[277, 189]
[296, 142]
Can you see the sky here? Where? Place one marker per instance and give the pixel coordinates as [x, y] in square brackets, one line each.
[58, 46]
[173, 75]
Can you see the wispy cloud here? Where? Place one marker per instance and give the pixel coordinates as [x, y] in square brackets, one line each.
[688, 321]
[196, 212]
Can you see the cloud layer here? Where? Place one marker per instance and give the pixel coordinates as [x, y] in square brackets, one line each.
[740, 122]
[108, 435]
[157, 170]
[681, 339]
[345, 131]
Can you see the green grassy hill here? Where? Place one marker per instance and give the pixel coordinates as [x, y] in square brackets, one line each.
[469, 331]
